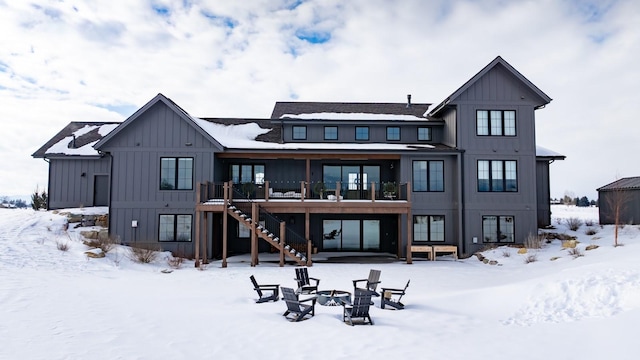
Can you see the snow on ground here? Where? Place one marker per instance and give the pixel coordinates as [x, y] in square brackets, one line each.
[63, 305]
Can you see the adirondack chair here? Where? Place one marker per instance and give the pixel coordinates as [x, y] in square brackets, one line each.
[392, 297]
[297, 307]
[359, 308]
[371, 282]
[303, 280]
[272, 291]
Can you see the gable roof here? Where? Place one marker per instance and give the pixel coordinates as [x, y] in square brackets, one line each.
[173, 106]
[628, 183]
[350, 111]
[498, 61]
[76, 140]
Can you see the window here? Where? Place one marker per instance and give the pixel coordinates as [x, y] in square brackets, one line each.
[498, 229]
[424, 134]
[393, 133]
[176, 173]
[496, 122]
[299, 133]
[497, 176]
[428, 228]
[331, 133]
[362, 133]
[175, 228]
[247, 173]
[428, 175]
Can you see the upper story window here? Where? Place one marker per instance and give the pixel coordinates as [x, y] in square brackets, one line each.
[428, 228]
[424, 134]
[496, 122]
[175, 228]
[393, 133]
[428, 175]
[331, 133]
[176, 173]
[497, 176]
[362, 133]
[498, 229]
[299, 132]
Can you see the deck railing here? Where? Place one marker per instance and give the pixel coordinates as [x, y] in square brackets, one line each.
[302, 190]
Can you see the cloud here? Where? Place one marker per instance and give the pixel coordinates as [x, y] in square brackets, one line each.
[62, 62]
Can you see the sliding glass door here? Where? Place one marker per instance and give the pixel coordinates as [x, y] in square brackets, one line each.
[351, 235]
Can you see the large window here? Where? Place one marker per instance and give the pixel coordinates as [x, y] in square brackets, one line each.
[175, 228]
[428, 228]
[299, 133]
[424, 134]
[247, 173]
[331, 133]
[497, 229]
[496, 122]
[428, 175]
[176, 173]
[362, 133]
[353, 178]
[497, 176]
[393, 133]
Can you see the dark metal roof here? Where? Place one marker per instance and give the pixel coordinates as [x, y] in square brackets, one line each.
[297, 108]
[68, 131]
[628, 183]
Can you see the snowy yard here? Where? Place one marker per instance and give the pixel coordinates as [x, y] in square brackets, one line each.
[62, 305]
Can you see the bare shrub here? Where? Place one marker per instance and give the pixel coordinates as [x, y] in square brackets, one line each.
[175, 261]
[104, 244]
[591, 231]
[574, 223]
[589, 222]
[575, 252]
[506, 253]
[62, 245]
[530, 258]
[533, 241]
[143, 252]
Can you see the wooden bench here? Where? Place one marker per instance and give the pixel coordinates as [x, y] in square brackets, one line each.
[428, 249]
[449, 249]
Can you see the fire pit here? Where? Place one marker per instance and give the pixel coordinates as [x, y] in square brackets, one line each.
[334, 297]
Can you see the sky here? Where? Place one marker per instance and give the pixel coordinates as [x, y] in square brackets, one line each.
[58, 304]
[63, 61]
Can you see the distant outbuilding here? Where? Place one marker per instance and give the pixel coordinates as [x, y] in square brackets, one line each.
[623, 195]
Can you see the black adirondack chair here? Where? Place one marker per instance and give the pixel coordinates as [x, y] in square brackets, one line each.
[371, 282]
[296, 307]
[391, 297]
[359, 308]
[271, 290]
[303, 280]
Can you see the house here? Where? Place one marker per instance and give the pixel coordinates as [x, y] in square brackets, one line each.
[366, 177]
[621, 196]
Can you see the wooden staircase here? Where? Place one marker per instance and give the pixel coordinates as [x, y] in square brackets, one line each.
[267, 234]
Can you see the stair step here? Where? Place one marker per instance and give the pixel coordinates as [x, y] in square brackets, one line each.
[237, 211]
[232, 207]
[276, 239]
[287, 247]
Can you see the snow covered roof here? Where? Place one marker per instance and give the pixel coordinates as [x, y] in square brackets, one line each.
[76, 139]
[349, 111]
[546, 153]
[246, 135]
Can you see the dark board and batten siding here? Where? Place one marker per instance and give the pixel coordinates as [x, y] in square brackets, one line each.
[136, 195]
[498, 89]
[71, 181]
